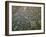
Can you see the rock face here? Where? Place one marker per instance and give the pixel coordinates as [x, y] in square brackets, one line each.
[26, 18]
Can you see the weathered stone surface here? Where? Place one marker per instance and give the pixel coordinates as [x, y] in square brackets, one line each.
[26, 18]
